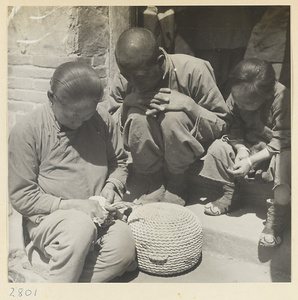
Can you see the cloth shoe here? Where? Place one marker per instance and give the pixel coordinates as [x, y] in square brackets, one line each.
[155, 191]
[277, 216]
[176, 189]
[228, 202]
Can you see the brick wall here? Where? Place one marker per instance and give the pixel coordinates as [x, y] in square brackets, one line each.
[41, 38]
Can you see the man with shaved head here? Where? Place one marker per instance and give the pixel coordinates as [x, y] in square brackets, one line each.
[170, 111]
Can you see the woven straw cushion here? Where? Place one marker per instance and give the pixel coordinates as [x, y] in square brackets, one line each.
[168, 238]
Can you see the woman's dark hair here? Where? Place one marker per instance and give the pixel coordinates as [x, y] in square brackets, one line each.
[75, 81]
[256, 74]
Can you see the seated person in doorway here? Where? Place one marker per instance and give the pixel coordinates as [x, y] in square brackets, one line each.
[257, 147]
[60, 155]
[170, 110]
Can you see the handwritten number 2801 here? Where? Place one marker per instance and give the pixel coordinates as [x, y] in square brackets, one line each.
[21, 292]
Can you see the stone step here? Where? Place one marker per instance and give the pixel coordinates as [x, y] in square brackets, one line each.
[236, 236]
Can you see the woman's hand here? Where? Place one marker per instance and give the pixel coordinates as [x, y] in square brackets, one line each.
[241, 154]
[90, 207]
[241, 168]
[111, 197]
[110, 193]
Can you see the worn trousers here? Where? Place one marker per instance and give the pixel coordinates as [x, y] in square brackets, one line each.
[221, 156]
[67, 238]
[167, 139]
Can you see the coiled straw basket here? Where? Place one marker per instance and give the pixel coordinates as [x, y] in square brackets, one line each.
[168, 238]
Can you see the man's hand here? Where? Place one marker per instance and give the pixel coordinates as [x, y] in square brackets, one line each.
[135, 100]
[163, 100]
[141, 101]
[144, 100]
[169, 100]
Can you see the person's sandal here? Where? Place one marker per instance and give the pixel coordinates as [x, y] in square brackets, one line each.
[277, 216]
[228, 202]
[218, 207]
[269, 238]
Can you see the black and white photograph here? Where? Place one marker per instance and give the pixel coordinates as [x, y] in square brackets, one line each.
[149, 145]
